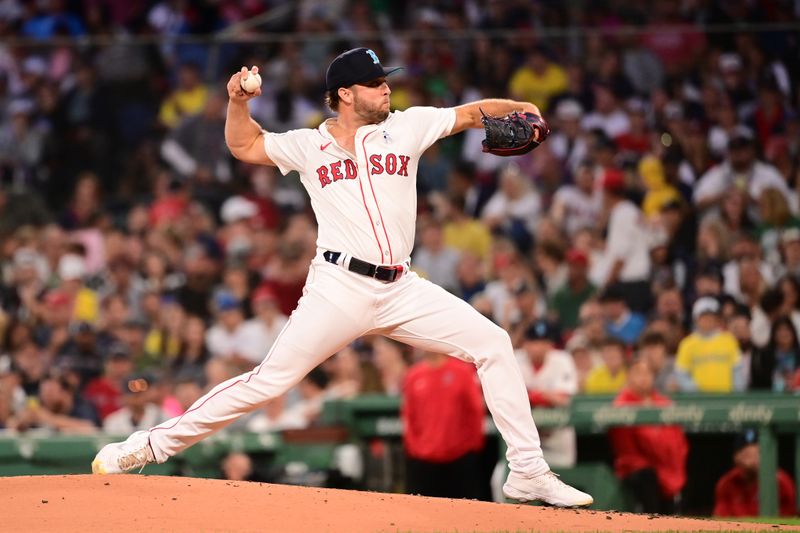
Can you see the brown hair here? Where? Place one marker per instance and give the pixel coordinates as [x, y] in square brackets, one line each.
[773, 207]
[332, 99]
[614, 341]
[652, 338]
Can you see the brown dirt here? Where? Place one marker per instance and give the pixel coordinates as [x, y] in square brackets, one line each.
[174, 504]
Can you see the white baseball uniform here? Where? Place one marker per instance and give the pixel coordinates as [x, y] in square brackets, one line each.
[365, 204]
[557, 374]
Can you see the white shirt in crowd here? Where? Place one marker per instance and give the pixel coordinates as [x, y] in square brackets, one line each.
[613, 124]
[260, 422]
[581, 210]
[527, 208]
[571, 153]
[120, 423]
[731, 276]
[629, 241]
[557, 375]
[255, 337]
[501, 299]
[760, 326]
[224, 343]
[761, 176]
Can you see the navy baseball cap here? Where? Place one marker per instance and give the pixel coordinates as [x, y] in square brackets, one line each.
[745, 439]
[358, 65]
[541, 330]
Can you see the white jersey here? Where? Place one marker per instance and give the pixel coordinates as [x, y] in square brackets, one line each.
[628, 240]
[558, 374]
[759, 177]
[365, 203]
[581, 210]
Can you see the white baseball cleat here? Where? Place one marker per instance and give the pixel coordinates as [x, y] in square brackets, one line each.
[545, 487]
[120, 457]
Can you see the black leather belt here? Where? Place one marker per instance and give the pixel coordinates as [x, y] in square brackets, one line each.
[381, 273]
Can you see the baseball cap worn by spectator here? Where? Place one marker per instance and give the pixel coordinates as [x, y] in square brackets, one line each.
[745, 439]
[741, 137]
[541, 330]
[358, 65]
[118, 351]
[226, 301]
[81, 327]
[237, 208]
[264, 294]
[569, 110]
[71, 267]
[57, 298]
[577, 257]
[614, 181]
[730, 62]
[790, 235]
[705, 305]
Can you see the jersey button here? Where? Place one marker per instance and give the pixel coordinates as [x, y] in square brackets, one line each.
[386, 254]
[378, 224]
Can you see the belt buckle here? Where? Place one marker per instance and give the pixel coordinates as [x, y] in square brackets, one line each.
[397, 271]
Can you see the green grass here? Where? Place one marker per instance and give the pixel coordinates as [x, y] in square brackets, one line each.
[783, 520]
[595, 531]
[756, 520]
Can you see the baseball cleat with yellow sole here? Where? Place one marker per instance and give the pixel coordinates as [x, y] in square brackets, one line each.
[121, 457]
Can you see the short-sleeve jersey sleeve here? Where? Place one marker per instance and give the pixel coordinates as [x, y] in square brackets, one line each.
[426, 125]
[287, 150]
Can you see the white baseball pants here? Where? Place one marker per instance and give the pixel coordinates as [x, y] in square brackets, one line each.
[339, 306]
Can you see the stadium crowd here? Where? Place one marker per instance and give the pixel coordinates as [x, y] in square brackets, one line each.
[142, 265]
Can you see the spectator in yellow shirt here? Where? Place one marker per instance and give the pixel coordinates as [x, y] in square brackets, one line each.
[538, 79]
[188, 99]
[611, 375]
[709, 360]
[463, 233]
[85, 302]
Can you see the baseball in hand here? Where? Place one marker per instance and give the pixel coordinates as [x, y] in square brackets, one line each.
[250, 81]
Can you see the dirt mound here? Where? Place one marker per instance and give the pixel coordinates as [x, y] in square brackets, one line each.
[174, 504]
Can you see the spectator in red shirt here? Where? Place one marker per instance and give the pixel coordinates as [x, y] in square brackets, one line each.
[736, 493]
[650, 460]
[105, 392]
[171, 201]
[638, 138]
[442, 415]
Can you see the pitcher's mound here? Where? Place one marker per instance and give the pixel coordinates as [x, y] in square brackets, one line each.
[174, 504]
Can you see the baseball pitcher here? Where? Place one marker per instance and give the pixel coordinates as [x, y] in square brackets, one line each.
[360, 170]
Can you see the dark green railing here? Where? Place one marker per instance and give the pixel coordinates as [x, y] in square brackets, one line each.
[377, 416]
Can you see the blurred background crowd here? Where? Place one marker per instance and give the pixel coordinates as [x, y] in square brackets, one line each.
[142, 265]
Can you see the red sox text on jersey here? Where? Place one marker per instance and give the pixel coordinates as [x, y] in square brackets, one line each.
[389, 164]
